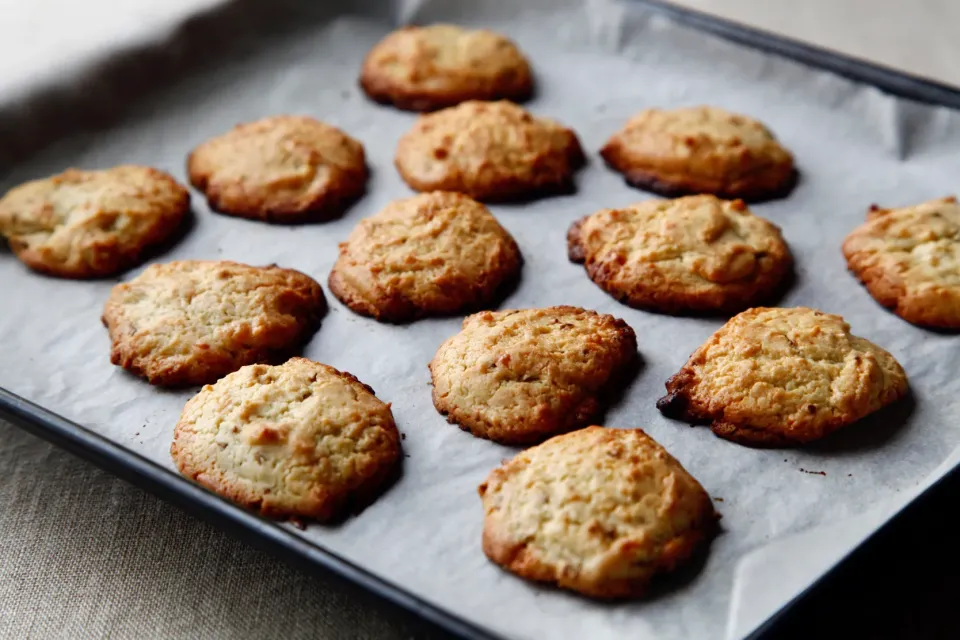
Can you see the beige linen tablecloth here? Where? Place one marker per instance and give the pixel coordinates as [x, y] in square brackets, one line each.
[83, 554]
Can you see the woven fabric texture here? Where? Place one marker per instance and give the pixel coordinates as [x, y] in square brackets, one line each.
[86, 555]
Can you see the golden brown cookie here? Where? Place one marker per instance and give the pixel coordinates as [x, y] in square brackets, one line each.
[433, 254]
[909, 260]
[282, 169]
[299, 439]
[772, 377]
[427, 68]
[701, 150]
[90, 224]
[491, 151]
[600, 511]
[193, 321]
[520, 376]
[692, 254]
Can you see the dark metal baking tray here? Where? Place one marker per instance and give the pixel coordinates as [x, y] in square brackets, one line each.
[167, 485]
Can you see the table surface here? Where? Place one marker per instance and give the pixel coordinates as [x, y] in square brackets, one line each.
[87, 555]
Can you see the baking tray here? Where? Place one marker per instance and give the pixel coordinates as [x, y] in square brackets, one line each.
[47, 116]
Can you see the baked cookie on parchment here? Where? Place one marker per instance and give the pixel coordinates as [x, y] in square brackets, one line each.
[693, 254]
[437, 66]
[775, 377]
[491, 151]
[521, 376]
[433, 254]
[91, 224]
[909, 260]
[600, 511]
[192, 321]
[299, 439]
[702, 149]
[284, 169]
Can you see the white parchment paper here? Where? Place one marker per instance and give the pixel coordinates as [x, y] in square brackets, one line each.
[597, 62]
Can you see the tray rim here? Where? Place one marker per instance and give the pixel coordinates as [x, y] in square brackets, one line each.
[199, 502]
[887, 79]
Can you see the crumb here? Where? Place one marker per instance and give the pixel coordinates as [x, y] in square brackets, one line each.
[849, 475]
[784, 459]
[813, 473]
[298, 523]
[406, 455]
[718, 499]
[403, 436]
[136, 434]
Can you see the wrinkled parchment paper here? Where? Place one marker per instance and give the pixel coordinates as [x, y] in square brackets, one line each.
[597, 62]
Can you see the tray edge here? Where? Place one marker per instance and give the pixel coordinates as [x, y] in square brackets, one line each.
[889, 80]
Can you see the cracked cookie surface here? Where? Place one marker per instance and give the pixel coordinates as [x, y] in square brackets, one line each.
[702, 149]
[490, 151]
[600, 511]
[433, 254]
[192, 321]
[692, 254]
[520, 376]
[436, 66]
[783, 376]
[91, 224]
[283, 169]
[909, 261]
[297, 439]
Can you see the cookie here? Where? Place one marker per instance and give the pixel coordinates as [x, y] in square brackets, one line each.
[774, 377]
[91, 224]
[299, 439]
[433, 254]
[600, 511]
[491, 151]
[690, 255]
[427, 68]
[284, 169]
[909, 260]
[701, 150]
[521, 376]
[191, 322]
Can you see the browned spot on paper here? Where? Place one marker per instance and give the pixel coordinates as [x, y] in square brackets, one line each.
[813, 473]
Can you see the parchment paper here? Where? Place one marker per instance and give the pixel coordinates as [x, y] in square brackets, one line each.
[597, 62]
